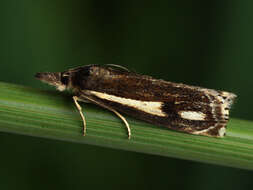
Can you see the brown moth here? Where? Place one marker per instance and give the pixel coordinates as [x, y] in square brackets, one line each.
[180, 107]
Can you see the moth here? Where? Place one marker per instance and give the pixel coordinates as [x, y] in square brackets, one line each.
[177, 106]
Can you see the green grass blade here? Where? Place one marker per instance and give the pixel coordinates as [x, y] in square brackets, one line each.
[53, 115]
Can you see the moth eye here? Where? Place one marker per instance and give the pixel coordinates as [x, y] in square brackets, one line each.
[64, 79]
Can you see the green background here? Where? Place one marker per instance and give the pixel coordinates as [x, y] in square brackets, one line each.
[195, 42]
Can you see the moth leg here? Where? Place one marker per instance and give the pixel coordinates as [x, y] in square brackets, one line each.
[75, 98]
[113, 110]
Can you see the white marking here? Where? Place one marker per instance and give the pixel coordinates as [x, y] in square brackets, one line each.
[153, 108]
[61, 87]
[225, 100]
[203, 131]
[222, 131]
[192, 115]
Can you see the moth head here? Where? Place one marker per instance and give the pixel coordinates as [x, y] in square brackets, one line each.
[58, 79]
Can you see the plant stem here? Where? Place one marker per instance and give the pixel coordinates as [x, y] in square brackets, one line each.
[34, 112]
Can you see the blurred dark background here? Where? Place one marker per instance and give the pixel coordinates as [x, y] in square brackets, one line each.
[196, 42]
